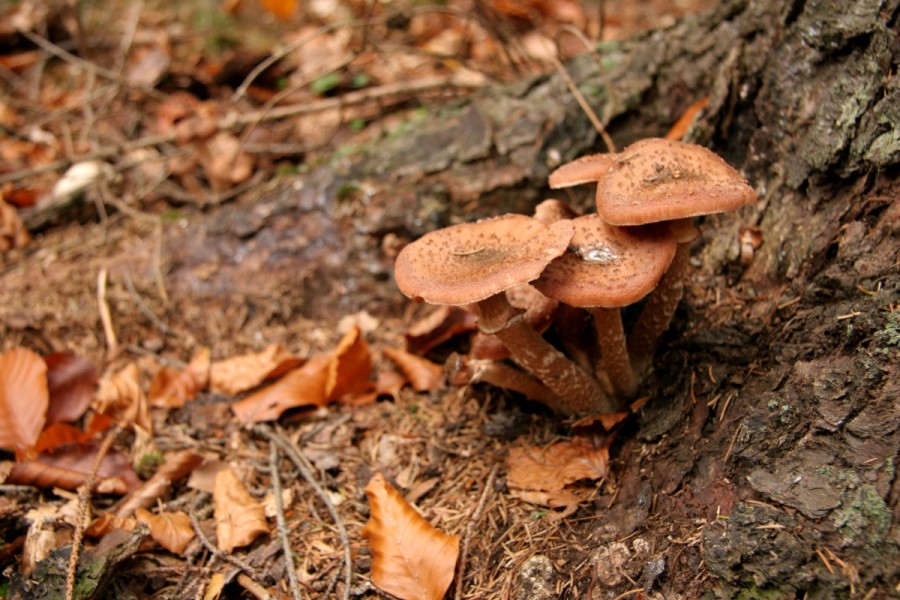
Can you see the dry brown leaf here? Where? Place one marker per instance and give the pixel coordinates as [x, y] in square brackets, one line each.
[59, 434]
[13, 233]
[177, 466]
[351, 366]
[172, 388]
[306, 386]
[171, 530]
[122, 398]
[410, 559]
[24, 398]
[565, 499]
[240, 519]
[72, 381]
[107, 523]
[388, 383]
[241, 373]
[423, 374]
[283, 9]
[552, 468]
[68, 468]
[439, 326]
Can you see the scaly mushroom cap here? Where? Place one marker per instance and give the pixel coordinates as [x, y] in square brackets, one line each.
[608, 266]
[659, 180]
[470, 262]
[551, 211]
[586, 169]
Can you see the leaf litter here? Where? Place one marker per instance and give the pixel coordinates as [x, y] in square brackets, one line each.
[175, 417]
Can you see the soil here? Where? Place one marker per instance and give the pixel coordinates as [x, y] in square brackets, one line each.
[763, 464]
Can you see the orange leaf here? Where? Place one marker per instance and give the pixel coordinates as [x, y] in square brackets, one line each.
[173, 389]
[684, 122]
[306, 386]
[241, 373]
[240, 519]
[410, 559]
[122, 398]
[439, 326]
[283, 9]
[178, 465]
[551, 469]
[13, 233]
[423, 374]
[171, 530]
[59, 434]
[23, 398]
[72, 381]
[68, 466]
[349, 371]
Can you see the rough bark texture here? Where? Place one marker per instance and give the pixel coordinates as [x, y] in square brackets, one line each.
[774, 400]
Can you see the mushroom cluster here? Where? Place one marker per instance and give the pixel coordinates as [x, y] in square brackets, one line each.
[516, 271]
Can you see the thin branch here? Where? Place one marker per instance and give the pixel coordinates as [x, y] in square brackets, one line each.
[583, 103]
[112, 344]
[282, 523]
[306, 471]
[226, 556]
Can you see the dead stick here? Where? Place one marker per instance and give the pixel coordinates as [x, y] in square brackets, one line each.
[282, 523]
[470, 529]
[84, 513]
[220, 554]
[112, 345]
[583, 103]
[305, 469]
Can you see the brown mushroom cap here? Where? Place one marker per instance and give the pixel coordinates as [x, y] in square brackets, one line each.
[552, 210]
[658, 180]
[608, 266]
[586, 169]
[467, 263]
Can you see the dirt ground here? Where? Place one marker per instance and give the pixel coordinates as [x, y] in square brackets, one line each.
[762, 464]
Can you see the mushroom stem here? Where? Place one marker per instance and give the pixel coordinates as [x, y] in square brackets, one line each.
[658, 312]
[614, 351]
[509, 378]
[581, 392]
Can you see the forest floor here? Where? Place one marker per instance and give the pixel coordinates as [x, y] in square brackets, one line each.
[204, 254]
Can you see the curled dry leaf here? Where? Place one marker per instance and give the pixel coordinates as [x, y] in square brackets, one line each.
[122, 398]
[322, 380]
[24, 398]
[171, 530]
[240, 519]
[72, 381]
[56, 435]
[439, 326]
[68, 467]
[423, 374]
[107, 523]
[410, 559]
[553, 468]
[177, 466]
[173, 388]
[241, 373]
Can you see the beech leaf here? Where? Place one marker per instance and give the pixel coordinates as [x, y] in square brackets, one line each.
[241, 373]
[178, 465]
[423, 374]
[172, 388]
[122, 398]
[410, 559]
[306, 386]
[240, 518]
[552, 468]
[351, 366]
[72, 381]
[24, 398]
[171, 530]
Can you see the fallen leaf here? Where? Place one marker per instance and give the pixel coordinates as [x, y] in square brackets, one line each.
[68, 466]
[177, 466]
[241, 373]
[59, 434]
[283, 9]
[240, 519]
[107, 523]
[423, 374]
[173, 388]
[24, 398]
[122, 398]
[553, 468]
[306, 386]
[171, 530]
[410, 559]
[13, 233]
[72, 382]
[686, 120]
[350, 367]
[439, 326]
[388, 383]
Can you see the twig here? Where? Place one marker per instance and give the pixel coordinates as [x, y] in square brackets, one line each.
[305, 469]
[590, 47]
[470, 529]
[731, 445]
[84, 513]
[258, 591]
[112, 345]
[282, 523]
[142, 306]
[583, 103]
[226, 556]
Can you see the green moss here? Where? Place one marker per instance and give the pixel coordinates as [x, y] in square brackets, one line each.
[866, 521]
[889, 336]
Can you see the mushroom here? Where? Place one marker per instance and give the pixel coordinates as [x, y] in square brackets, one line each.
[608, 267]
[539, 311]
[656, 180]
[475, 263]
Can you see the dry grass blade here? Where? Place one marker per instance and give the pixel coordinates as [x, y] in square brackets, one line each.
[410, 559]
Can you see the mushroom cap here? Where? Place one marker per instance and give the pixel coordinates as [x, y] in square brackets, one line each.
[659, 180]
[467, 263]
[608, 266]
[592, 167]
[552, 210]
